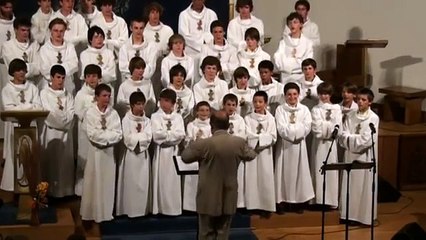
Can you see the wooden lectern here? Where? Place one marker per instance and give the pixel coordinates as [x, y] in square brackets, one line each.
[26, 158]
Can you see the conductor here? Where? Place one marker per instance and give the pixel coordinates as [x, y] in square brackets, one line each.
[219, 157]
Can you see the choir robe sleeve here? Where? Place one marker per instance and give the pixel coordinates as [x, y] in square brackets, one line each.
[36, 32]
[232, 62]
[33, 68]
[151, 60]
[314, 35]
[121, 96]
[58, 119]
[165, 75]
[79, 107]
[321, 128]
[253, 136]
[123, 35]
[241, 129]
[293, 132]
[99, 137]
[286, 63]
[123, 61]
[10, 102]
[189, 71]
[168, 137]
[70, 62]
[191, 39]
[133, 138]
[108, 68]
[233, 33]
[357, 142]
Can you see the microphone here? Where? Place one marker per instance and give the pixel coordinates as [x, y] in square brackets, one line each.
[335, 130]
[372, 128]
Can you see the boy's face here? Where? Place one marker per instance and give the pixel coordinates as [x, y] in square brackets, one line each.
[92, 80]
[22, 33]
[154, 17]
[363, 102]
[259, 104]
[242, 82]
[210, 72]
[57, 81]
[138, 108]
[251, 43]
[244, 10]
[7, 10]
[178, 80]
[218, 34]
[166, 105]
[87, 4]
[230, 107]
[137, 74]
[265, 75]
[324, 97]
[347, 96]
[67, 5]
[137, 28]
[103, 98]
[177, 47]
[197, 4]
[302, 11]
[45, 5]
[203, 112]
[97, 41]
[292, 97]
[106, 10]
[19, 76]
[294, 25]
[57, 33]
[309, 72]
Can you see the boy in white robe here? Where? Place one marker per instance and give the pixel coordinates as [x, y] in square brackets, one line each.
[245, 20]
[309, 83]
[242, 91]
[250, 54]
[177, 55]
[185, 97]
[292, 50]
[133, 193]
[272, 87]
[40, 21]
[220, 48]
[103, 128]
[84, 99]
[137, 46]
[347, 105]
[168, 131]
[237, 127]
[136, 83]
[22, 47]
[88, 10]
[197, 129]
[210, 88]
[97, 53]
[57, 138]
[58, 51]
[259, 174]
[17, 95]
[293, 183]
[115, 28]
[357, 140]
[310, 29]
[325, 117]
[155, 31]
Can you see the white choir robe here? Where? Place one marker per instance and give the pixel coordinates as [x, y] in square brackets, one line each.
[129, 86]
[88, 17]
[211, 92]
[293, 183]
[184, 102]
[195, 28]
[76, 32]
[358, 146]
[57, 142]
[116, 32]
[159, 35]
[227, 55]
[325, 117]
[15, 97]
[345, 112]
[64, 55]
[133, 193]
[168, 131]
[275, 91]
[40, 25]
[310, 30]
[308, 91]
[259, 174]
[291, 66]
[245, 100]
[84, 99]
[237, 127]
[251, 60]
[28, 52]
[171, 60]
[104, 131]
[147, 51]
[104, 58]
[237, 28]
[197, 129]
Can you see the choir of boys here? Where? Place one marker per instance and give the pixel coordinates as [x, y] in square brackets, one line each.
[272, 116]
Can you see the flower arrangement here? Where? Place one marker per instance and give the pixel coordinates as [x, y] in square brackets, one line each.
[40, 198]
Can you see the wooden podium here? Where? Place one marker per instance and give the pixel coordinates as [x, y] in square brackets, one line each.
[26, 158]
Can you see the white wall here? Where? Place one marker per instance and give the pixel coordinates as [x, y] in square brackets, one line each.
[400, 22]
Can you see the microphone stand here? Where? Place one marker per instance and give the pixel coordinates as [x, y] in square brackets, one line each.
[373, 190]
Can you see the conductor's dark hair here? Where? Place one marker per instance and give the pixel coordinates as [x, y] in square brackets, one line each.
[304, 3]
[136, 62]
[175, 38]
[93, 69]
[221, 122]
[57, 69]
[252, 33]
[57, 21]
[176, 70]
[21, 22]
[102, 87]
[4, 2]
[266, 64]
[366, 91]
[291, 85]
[216, 23]
[136, 97]
[91, 32]
[17, 65]
[350, 87]
[230, 97]
[309, 62]
[241, 72]
[168, 94]
[211, 60]
[242, 3]
[294, 15]
[325, 88]
[153, 6]
[106, 2]
[262, 94]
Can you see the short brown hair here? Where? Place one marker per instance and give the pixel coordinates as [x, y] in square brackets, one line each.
[325, 88]
[175, 38]
[57, 21]
[136, 62]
